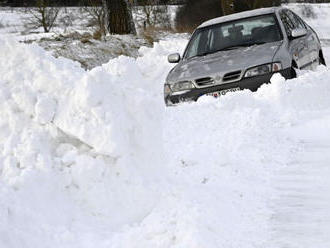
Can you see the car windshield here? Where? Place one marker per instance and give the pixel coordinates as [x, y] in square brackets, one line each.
[235, 34]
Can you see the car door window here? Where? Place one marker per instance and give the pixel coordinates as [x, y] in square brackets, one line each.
[301, 21]
[287, 22]
[295, 20]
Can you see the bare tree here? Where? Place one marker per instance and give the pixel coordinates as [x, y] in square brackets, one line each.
[153, 13]
[96, 13]
[43, 15]
[118, 16]
[147, 10]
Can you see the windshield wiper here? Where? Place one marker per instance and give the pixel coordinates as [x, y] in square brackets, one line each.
[257, 43]
[233, 47]
[205, 53]
[242, 45]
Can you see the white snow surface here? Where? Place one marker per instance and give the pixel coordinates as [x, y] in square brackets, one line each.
[94, 159]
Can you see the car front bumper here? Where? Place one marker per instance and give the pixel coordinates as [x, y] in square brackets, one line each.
[252, 83]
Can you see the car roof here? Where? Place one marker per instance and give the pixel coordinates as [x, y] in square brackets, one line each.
[241, 15]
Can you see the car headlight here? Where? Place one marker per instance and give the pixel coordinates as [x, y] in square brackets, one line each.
[263, 69]
[167, 89]
[181, 86]
[258, 70]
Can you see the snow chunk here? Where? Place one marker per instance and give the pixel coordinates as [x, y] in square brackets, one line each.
[45, 109]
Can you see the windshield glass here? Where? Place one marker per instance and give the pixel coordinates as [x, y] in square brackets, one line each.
[231, 35]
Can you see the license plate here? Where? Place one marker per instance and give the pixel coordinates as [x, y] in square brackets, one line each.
[223, 92]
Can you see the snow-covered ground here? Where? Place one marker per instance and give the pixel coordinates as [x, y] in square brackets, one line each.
[94, 159]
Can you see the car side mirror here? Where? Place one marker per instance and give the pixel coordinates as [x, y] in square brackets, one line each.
[298, 32]
[174, 58]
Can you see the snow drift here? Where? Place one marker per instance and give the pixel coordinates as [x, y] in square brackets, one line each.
[94, 159]
[64, 131]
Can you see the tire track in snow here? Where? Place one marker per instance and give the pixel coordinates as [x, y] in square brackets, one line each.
[301, 205]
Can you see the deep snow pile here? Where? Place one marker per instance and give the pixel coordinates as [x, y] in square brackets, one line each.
[73, 148]
[93, 159]
[83, 160]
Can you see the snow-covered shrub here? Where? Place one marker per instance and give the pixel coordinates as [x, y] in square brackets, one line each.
[308, 11]
[66, 21]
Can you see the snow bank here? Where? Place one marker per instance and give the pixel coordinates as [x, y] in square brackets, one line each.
[80, 151]
[94, 159]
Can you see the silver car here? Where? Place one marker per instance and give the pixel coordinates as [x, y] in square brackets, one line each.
[242, 51]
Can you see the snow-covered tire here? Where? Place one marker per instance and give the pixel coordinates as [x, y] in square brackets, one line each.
[293, 73]
[321, 59]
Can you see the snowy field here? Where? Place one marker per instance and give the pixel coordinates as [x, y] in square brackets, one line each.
[94, 159]
[73, 35]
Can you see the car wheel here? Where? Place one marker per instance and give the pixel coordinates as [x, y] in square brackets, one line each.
[293, 72]
[321, 59]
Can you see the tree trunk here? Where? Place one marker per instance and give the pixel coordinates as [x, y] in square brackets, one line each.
[227, 7]
[118, 16]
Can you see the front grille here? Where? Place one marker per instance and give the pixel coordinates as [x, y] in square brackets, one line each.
[232, 76]
[204, 81]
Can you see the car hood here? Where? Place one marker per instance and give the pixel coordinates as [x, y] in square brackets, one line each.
[223, 62]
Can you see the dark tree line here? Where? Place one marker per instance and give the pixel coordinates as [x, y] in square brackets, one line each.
[118, 13]
[195, 12]
[30, 3]
[27, 3]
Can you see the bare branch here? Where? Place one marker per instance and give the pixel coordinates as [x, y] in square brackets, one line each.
[43, 15]
[96, 13]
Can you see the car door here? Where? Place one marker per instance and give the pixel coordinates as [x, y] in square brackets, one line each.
[297, 46]
[312, 41]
